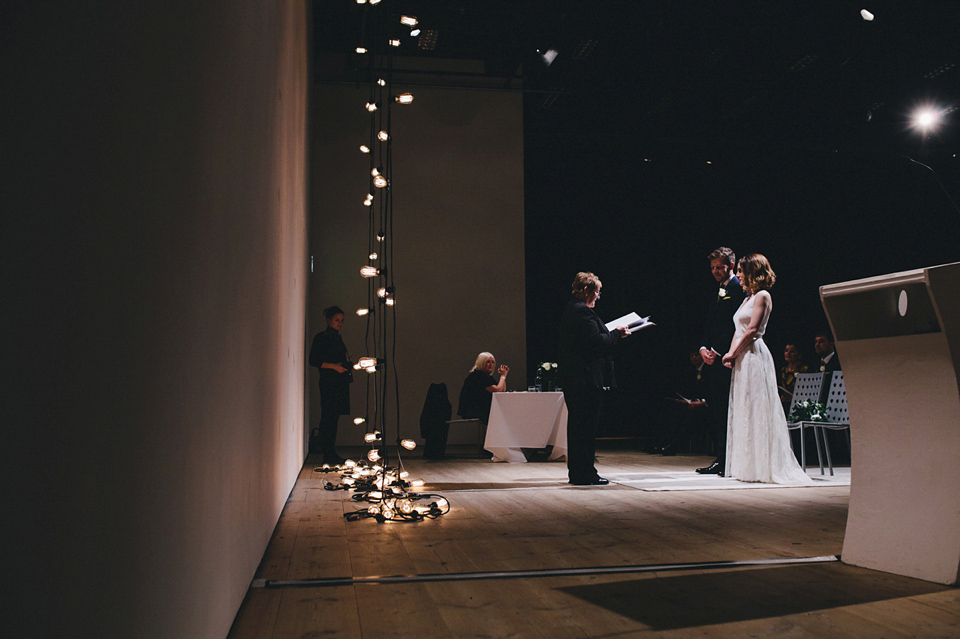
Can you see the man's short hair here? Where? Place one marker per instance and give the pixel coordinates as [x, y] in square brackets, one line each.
[723, 253]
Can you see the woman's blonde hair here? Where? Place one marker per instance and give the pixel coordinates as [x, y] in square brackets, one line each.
[757, 273]
[585, 283]
[481, 360]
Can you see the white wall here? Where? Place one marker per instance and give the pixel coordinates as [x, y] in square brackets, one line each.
[154, 246]
[459, 238]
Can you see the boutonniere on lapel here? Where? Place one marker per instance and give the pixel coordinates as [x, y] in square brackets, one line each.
[722, 294]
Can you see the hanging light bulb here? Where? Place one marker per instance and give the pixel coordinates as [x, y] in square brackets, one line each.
[410, 21]
[383, 135]
[373, 454]
[369, 271]
[404, 98]
[349, 463]
[372, 256]
[361, 1]
[375, 494]
[371, 106]
[416, 482]
[365, 362]
[364, 148]
[370, 438]
[406, 506]
[382, 82]
[349, 481]
[380, 182]
[394, 43]
[358, 420]
[374, 510]
[390, 301]
[404, 474]
[374, 2]
[360, 50]
[414, 33]
[381, 292]
[381, 237]
[387, 512]
[375, 171]
[442, 503]
[363, 311]
[371, 369]
[409, 444]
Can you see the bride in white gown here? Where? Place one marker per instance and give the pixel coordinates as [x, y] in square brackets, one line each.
[758, 443]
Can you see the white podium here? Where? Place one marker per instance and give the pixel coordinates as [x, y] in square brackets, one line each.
[898, 337]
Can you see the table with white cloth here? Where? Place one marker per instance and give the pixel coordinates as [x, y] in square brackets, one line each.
[526, 420]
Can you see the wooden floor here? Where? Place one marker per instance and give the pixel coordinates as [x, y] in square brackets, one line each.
[526, 517]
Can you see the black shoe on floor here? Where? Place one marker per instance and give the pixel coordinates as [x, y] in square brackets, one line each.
[713, 469]
[596, 481]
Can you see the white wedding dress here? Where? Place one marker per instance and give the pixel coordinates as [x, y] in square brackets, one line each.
[758, 443]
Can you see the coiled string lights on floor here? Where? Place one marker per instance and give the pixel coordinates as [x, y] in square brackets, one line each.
[385, 491]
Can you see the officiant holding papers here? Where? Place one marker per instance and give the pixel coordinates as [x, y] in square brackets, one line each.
[585, 370]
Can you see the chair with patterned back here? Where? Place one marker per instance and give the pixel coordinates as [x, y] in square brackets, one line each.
[837, 417]
[808, 387]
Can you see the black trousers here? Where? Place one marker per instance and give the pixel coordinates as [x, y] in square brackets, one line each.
[327, 435]
[583, 420]
[717, 378]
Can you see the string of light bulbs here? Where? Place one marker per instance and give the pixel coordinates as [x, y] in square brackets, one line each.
[384, 490]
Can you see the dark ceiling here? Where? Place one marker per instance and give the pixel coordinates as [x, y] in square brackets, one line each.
[662, 76]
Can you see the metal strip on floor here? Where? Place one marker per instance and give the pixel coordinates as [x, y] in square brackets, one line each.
[526, 574]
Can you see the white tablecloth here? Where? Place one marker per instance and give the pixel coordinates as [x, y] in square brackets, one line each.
[526, 420]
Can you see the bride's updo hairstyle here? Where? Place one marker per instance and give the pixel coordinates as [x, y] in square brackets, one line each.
[584, 284]
[757, 273]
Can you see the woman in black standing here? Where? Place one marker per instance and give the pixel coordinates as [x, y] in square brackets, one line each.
[329, 354]
[584, 370]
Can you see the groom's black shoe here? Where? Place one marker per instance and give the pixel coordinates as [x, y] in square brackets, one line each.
[596, 481]
[716, 468]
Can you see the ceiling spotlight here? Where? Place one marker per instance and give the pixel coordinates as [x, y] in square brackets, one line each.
[360, 50]
[549, 56]
[364, 148]
[383, 136]
[404, 98]
[371, 106]
[410, 21]
[926, 119]
[866, 15]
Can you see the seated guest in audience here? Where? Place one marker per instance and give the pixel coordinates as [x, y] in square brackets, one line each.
[477, 392]
[687, 412]
[823, 346]
[793, 364]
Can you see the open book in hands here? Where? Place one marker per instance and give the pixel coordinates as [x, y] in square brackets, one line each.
[632, 321]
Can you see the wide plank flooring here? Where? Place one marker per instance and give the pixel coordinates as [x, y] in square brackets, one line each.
[508, 517]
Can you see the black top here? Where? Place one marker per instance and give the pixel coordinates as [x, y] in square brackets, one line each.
[718, 333]
[583, 356]
[475, 399]
[328, 347]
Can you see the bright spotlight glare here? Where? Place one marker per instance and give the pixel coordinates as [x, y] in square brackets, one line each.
[926, 119]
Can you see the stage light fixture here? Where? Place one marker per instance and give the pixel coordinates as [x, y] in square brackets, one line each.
[926, 119]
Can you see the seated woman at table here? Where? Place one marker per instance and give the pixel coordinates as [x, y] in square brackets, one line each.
[477, 392]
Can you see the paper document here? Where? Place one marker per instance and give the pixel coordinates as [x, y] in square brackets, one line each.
[632, 321]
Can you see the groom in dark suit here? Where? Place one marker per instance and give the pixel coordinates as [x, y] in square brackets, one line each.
[716, 341]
